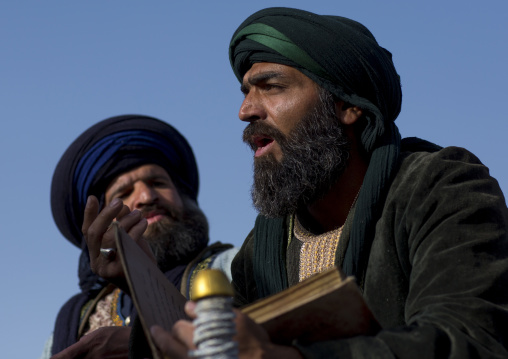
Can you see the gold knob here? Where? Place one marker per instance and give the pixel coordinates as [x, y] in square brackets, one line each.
[210, 283]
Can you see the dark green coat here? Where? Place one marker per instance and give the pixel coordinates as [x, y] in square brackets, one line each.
[437, 276]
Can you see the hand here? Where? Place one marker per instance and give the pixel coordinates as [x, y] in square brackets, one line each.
[97, 233]
[168, 343]
[253, 341]
[176, 344]
[103, 343]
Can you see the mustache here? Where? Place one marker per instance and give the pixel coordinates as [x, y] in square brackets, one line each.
[169, 212]
[260, 128]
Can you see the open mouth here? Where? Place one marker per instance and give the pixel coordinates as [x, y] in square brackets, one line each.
[261, 144]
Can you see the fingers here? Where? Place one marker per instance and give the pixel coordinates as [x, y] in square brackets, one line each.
[125, 210]
[132, 221]
[76, 350]
[183, 331]
[105, 342]
[138, 225]
[68, 353]
[167, 344]
[96, 224]
[97, 234]
[90, 213]
[190, 309]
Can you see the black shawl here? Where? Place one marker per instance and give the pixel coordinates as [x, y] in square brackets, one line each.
[343, 57]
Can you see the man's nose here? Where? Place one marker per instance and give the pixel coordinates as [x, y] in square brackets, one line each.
[251, 109]
[145, 195]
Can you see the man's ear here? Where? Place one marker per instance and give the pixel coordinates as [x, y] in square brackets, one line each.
[346, 113]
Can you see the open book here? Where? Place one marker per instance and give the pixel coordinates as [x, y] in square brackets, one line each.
[325, 306]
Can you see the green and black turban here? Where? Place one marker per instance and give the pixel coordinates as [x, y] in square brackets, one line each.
[343, 57]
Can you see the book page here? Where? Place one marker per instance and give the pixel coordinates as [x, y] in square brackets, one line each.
[325, 306]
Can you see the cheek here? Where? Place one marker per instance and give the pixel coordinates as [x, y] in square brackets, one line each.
[288, 113]
[284, 115]
[172, 198]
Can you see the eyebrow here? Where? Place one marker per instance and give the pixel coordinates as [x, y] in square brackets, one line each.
[256, 79]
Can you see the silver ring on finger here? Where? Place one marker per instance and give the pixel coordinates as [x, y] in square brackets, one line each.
[108, 253]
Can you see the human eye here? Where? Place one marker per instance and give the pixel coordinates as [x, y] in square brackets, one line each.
[159, 182]
[273, 87]
[122, 194]
[118, 194]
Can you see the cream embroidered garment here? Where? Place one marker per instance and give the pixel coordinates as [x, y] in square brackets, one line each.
[317, 252]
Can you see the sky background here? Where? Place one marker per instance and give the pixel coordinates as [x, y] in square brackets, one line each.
[65, 65]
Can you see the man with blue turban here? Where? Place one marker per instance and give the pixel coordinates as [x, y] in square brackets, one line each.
[147, 165]
[423, 229]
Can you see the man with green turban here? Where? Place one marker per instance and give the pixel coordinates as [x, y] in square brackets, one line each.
[422, 228]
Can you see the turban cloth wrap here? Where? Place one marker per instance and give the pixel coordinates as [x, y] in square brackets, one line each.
[343, 57]
[104, 151]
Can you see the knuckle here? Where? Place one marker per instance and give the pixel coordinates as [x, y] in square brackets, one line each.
[84, 230]
[90, 232]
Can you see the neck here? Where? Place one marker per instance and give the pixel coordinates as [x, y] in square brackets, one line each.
[330, 212]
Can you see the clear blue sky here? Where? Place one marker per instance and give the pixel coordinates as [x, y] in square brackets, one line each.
[68, 64]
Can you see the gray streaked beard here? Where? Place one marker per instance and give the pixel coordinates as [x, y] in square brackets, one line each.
[178, 238]
[315, 154]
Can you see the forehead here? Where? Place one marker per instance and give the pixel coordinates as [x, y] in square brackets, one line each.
[265, 70]
[140, 173]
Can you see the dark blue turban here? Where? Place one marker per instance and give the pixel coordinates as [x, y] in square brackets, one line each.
[108, 149]
[343, 57]
[104, 151]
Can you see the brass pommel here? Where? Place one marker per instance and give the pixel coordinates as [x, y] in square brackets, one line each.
[210, 283]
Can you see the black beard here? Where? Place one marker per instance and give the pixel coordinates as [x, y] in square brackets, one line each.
[315, 154]
[179, 237]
